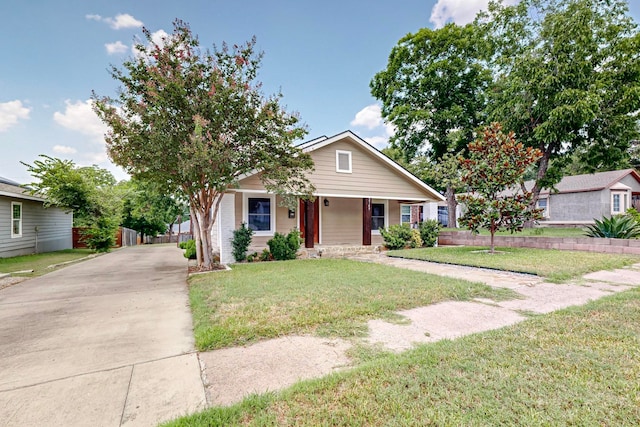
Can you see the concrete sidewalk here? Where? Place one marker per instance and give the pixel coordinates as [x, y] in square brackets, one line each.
[106, 342]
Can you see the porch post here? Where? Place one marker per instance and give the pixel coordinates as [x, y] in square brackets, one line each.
[309, 221]
[366, 222]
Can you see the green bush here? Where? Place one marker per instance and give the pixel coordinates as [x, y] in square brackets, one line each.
[190, 249]
[265, 255]
[616, 227]
[182, 245]
[101, 236]
[397, 236]
[429, 231]
[285, 247]
[241, 241]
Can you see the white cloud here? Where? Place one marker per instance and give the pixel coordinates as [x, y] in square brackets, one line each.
[459, 11]
[64, 149]
[11, 112]
[80, 117]
[159, 38]
[122, 20]
[369, 117]
[117, 47]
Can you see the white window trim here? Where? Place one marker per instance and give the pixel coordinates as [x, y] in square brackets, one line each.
[386, 214]
[245, 211]
[624, 201]
[348, 153]
[13, 235]
[401, 206]
[545, 213]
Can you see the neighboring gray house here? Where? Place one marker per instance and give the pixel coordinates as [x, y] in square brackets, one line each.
[27, 227]
[580, 199]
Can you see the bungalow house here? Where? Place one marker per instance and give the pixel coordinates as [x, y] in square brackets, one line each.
[579, 199]
[26, 226]
[358, 191]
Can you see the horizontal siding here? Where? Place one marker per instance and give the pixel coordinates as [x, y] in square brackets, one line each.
[341, 222]
[54, 228]
[370, 176]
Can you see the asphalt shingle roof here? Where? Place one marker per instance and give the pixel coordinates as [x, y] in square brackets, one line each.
[589, 182]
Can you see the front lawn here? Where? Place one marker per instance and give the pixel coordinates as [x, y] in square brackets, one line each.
[39, 263]
[555, 265]
[330, 297]
[578, 366]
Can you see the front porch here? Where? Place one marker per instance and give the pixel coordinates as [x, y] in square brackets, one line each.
[338, 251]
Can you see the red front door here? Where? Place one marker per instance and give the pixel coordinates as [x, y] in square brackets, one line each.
[316, 219]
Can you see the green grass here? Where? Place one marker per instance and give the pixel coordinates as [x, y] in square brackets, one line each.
[555, 265]
[328, 297]
[39, 262]
[535, 232]
[578, 366]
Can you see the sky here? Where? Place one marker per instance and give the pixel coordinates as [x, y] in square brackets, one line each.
[320, 54]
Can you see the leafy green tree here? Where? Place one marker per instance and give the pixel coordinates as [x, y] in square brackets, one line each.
[495, 165]
[87, 191]
[147, 209]
[195, 121]
[433, 91]
[567, 81]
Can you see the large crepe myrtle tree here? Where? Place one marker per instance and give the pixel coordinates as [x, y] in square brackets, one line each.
[494, 168]
[195, 121]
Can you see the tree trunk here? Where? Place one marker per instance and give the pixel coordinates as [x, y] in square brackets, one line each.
[492, 250]
[543, 165]
[203, 214]
[452, 206]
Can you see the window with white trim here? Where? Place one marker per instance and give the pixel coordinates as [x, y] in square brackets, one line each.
[343, 161]
[405, 214]
[16, 219]
[543, 203]
[260, 214]
[378, 216]
[619, 202]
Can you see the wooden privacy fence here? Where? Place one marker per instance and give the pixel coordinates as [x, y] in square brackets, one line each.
[124, 237]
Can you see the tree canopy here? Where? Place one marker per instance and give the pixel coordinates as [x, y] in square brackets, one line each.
[567, 81]
[195, 121]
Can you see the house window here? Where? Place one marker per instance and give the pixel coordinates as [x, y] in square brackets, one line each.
[343, 161]
[443, 215]
[16, 219]
[378, 217]
[543, 203]
[619, 202]
[260, 215]
[405, 214]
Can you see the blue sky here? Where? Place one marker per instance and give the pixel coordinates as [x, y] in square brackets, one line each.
[321, 55]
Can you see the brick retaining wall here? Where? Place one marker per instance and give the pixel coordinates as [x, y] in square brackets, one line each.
[587, 244]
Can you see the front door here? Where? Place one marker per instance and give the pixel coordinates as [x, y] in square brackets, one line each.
[316, 219]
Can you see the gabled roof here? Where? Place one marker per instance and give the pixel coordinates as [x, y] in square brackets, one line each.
[323, 141]
[590, 182]
[10, 188]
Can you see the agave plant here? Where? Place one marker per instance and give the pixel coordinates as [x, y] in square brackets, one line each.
[617, 227]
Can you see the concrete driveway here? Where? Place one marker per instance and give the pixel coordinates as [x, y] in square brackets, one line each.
[105, 342]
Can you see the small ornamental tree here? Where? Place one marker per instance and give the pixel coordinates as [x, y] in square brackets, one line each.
[494, 169]
[194, 122]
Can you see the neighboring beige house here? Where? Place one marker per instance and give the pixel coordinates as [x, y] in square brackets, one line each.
[358, 191]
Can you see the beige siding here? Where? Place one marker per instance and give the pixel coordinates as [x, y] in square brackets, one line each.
[284, 224]
[341, 222]
[369, 177]
[251, 183]
[394, 212]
